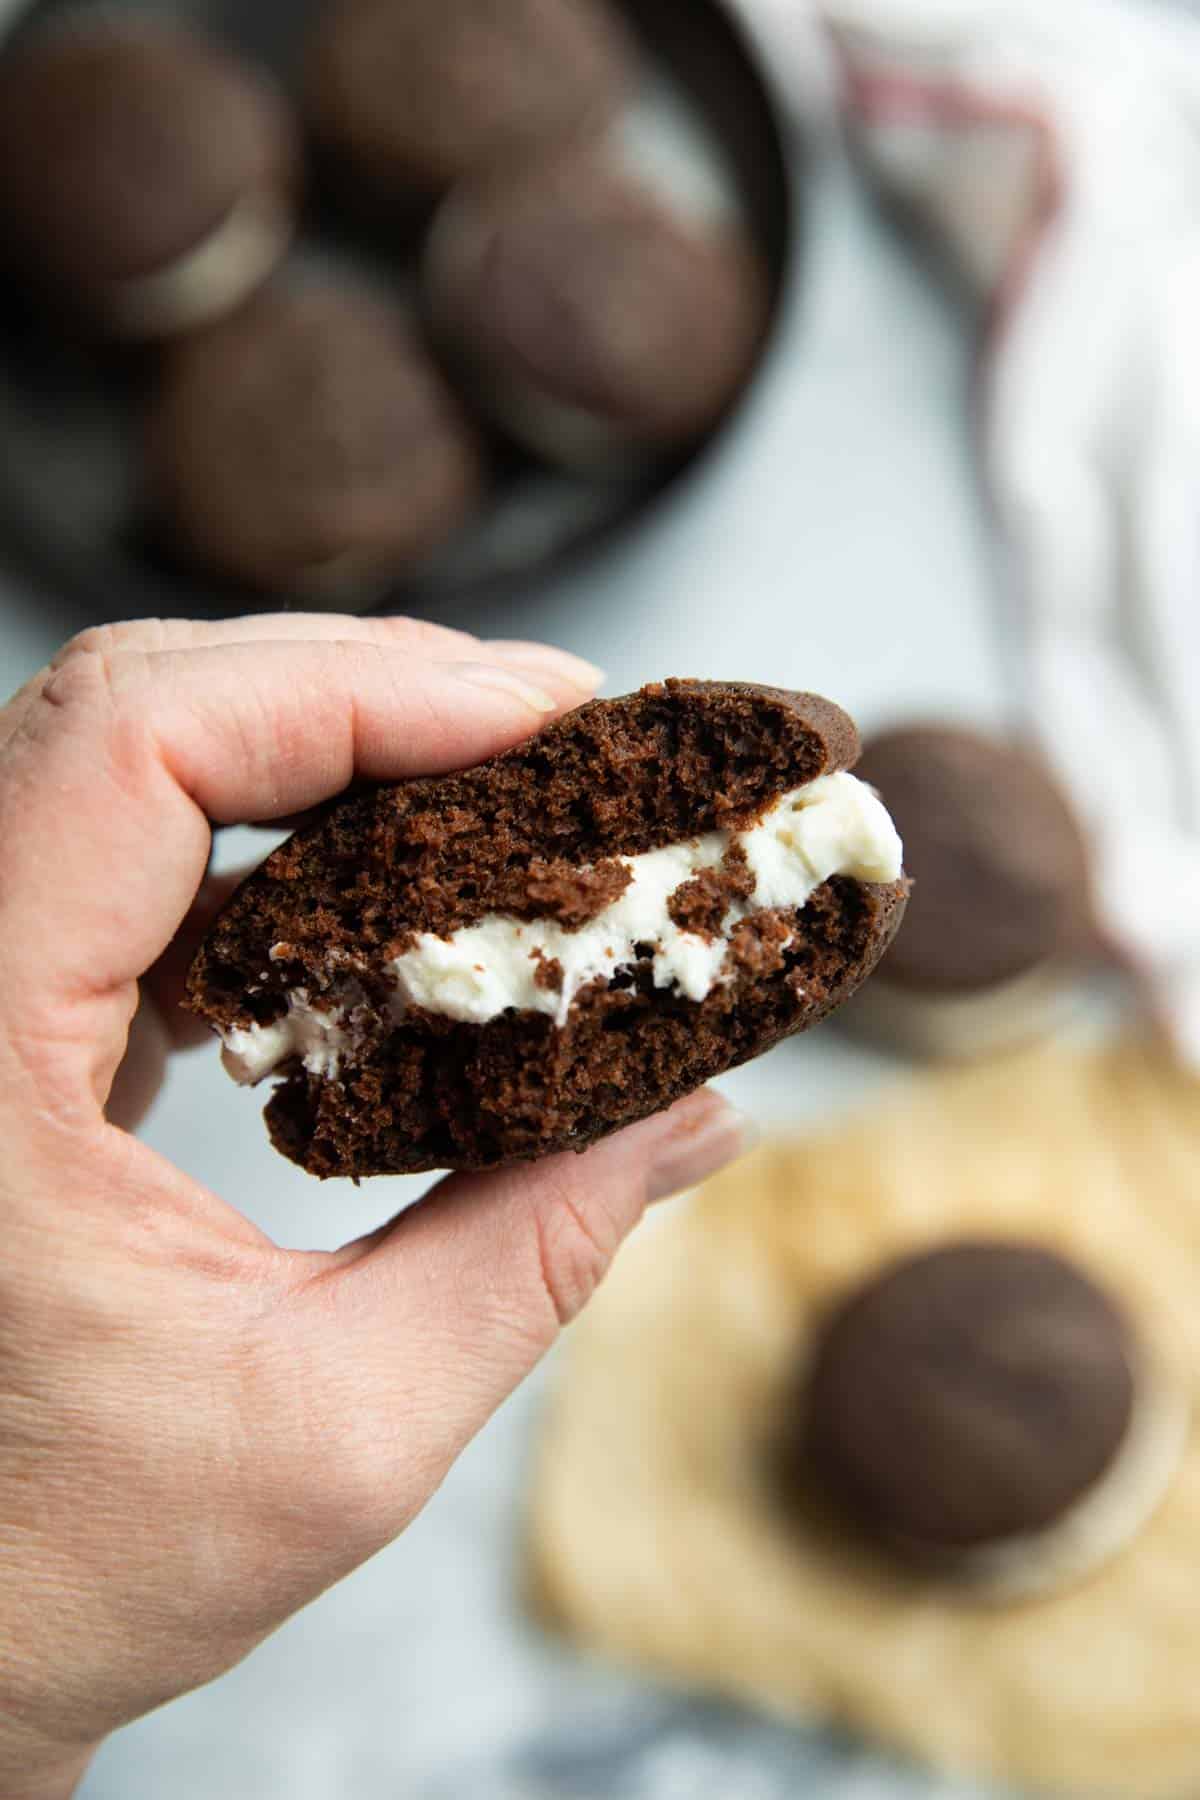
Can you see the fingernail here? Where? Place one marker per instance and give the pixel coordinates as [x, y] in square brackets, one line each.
[709, 1134]
[506, 681]
[574, 669]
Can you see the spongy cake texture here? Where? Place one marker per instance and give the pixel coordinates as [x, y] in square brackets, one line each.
[617, 777]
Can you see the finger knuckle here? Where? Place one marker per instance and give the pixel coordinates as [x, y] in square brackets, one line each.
[82, 678]
[100, 697]
[97, 640]
[94, 712]
[575, 1244]
[109, 641]
[77, 691]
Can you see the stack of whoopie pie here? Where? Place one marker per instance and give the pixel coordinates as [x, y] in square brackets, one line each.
[320, 434]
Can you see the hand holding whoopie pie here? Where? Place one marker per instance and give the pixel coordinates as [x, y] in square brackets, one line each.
[524, 957]
[199, 1431]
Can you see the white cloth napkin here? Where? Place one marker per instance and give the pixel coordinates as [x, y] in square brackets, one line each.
[1053, 149]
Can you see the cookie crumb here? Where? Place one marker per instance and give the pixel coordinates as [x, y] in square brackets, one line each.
[701, 904]
[549, 972]
[573, 896]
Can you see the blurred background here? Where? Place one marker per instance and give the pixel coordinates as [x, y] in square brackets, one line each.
[936, 459]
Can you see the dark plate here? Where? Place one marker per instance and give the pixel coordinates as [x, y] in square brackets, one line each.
[70, 511]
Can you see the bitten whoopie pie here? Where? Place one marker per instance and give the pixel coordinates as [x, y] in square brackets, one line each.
[308, 444]
[414, 93]
[999, 923]
[985, 1409]
[593, 313]
[524, 957]
[147, 176]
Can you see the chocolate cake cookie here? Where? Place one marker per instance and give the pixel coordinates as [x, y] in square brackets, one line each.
[147, 176]
[1000, 917]
[308, 444]
[413, 95]
[984, 1410]
[524, 957]
[592, 312]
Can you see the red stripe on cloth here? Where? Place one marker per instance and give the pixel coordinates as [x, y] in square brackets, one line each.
[893, 96]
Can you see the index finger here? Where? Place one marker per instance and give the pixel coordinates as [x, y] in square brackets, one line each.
[109, 784]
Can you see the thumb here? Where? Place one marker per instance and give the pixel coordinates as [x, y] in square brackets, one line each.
[436, 1319]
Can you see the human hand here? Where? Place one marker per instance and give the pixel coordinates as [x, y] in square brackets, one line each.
[199, 1431]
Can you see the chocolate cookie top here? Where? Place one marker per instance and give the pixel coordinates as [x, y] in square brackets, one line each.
[125, 142]
[967, 1397]
[419, 93]
[997, 857]
[613, 778]
[567, 279]
[310, 428]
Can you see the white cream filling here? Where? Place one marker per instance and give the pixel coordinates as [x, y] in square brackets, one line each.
[251, 1053]
[834, 826]
[211, 278]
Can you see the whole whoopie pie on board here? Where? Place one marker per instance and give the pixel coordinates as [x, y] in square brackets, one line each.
[895, 1427]
[999, 928]
[984, 1410]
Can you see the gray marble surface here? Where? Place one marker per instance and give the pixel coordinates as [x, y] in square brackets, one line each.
[835, 542]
